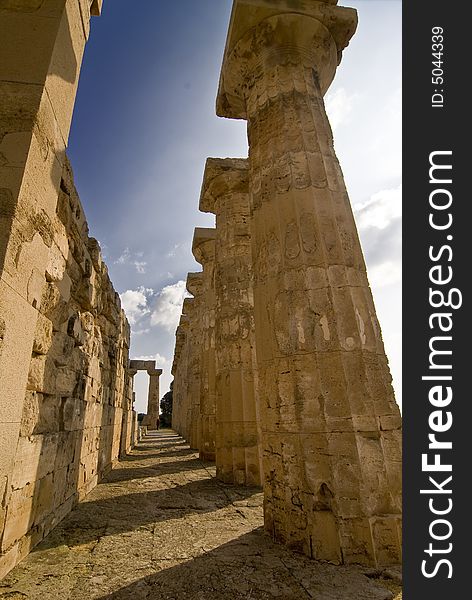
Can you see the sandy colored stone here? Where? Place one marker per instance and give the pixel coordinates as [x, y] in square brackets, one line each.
[203, 248]
[332, 472]
[225, 192]
[161, 525]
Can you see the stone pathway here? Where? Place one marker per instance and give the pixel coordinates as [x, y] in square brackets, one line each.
[161, 527]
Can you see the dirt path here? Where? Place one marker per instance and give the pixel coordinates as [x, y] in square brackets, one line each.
[161, 527]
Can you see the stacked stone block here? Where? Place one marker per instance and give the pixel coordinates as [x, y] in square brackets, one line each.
[77, 411]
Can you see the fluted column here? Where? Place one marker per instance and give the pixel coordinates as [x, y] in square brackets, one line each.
[152, 412]
[179, 371]
[193, 378]
[225, 193]
[194, 286]
[331, 427]
[203, 248]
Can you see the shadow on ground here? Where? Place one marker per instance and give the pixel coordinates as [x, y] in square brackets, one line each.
[252, 567]
[161, 527]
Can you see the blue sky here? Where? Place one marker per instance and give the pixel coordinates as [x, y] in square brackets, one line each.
[145, 122]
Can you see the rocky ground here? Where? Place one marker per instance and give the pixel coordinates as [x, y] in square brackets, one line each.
[161, 527]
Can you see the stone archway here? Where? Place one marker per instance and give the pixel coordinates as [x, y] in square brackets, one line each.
[152, 412]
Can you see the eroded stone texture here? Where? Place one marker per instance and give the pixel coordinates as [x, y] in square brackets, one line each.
[161, 526]
[193, 373]
[203, 248]
[331, 428]
[197, 285]
[64, 392]
[179, 371]
[225, 193]
[77, 408]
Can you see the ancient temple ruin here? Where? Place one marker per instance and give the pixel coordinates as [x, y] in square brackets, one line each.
[280, 374]
[303, 388]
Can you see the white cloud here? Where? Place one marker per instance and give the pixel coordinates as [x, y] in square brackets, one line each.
[338, 106]
[129, 258]
[159, 358]
[173, 251]
[386, 273]
[380, 210]
[135, 303]
[168, 307]
[379, 223]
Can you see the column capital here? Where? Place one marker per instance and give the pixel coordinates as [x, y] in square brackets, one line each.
[223, 176]
[194, 283]
[154, 372]
[96, 8]
[266, 33]
[203, 244]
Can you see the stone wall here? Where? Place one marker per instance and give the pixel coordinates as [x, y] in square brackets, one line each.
[77, 409]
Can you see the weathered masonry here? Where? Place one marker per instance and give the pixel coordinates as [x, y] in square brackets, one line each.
[65, 387]
[301, 373]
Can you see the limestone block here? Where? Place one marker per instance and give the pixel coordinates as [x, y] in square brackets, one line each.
[27, 461]
[19, 515]
[66, 453]
[43, 335]
[41, 376]
[56, 264]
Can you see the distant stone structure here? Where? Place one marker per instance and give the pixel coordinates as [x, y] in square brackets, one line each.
[66, 397]
[152, 413]
[301, 371]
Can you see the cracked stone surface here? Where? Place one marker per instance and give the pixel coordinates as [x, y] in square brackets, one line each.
[160, 526]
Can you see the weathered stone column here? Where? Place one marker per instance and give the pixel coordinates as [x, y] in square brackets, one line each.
[178, 370]
[225, 193]
[152, 412]
[193, 374]
[331, 427]
[203, 248]
[206, 421]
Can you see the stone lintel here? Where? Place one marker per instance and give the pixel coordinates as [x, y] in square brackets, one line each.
[96, 8]
[194, 283]
[246, 15]
[223, 176]
[201, 237]
[142, 365]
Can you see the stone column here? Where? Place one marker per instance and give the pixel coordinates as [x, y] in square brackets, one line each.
[206, 423]
[331, 427]
[225, 193]
[177, 371]
[40, 62]
[203, 248]
[152, 412]
[193, 374]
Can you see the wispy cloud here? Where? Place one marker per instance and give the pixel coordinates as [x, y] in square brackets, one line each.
[339, 105]
[131, 258]
[161, 360]
[168, 306]
[379, 222]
